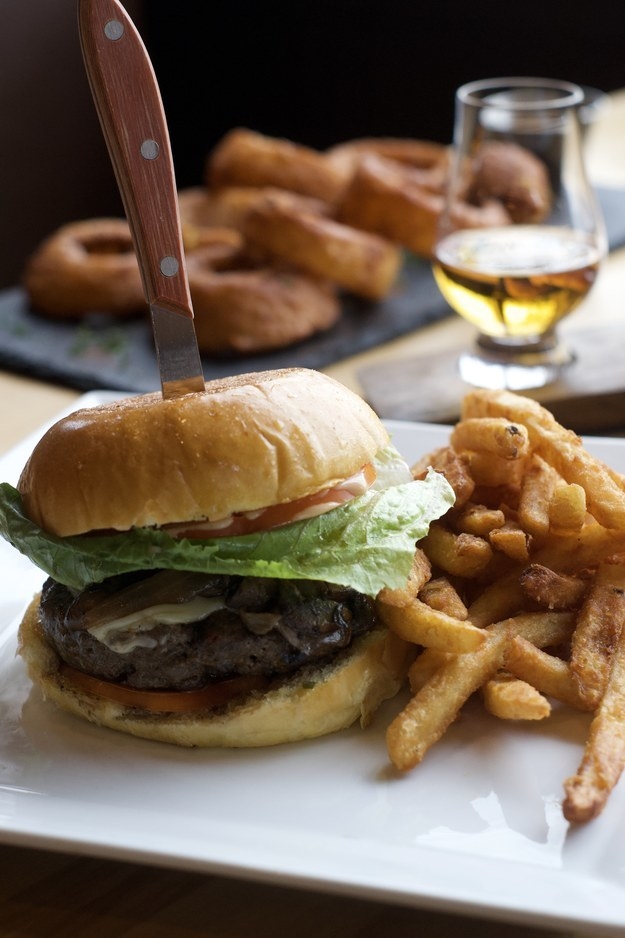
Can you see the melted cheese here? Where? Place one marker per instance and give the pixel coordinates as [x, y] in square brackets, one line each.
[133, 631]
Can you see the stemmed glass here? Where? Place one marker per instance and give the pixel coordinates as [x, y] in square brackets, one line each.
[521, 237]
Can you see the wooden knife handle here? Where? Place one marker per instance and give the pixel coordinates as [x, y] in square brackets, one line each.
[129, 105]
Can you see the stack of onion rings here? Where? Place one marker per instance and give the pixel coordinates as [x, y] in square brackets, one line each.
[279, 229]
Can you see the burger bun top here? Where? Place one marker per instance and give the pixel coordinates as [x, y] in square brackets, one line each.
[246, 443]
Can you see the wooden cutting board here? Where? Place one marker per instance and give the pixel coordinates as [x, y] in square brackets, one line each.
[589, 397]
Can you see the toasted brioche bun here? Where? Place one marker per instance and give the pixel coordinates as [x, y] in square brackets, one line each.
[312, 703]
[249, 442]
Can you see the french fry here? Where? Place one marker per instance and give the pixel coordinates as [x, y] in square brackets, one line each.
[512, 541]
[415, 621]
[552, 590]
[479, 520]
[492, 471]
[510, 698]
[422, 625]
[495, 435]
[505, 496]
[593, 545]
[460, 555]
[424, 666]
[599, 624]
[434, 708]
[603, 761]
[434, 459]
[498, 600]
[436, 705]
[453, 466]
[536, 490]
[548, 674]
[440, 594]
[560, 447]
[521, 595]
[567, 508]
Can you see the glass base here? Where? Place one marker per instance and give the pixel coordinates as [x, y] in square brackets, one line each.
[514, 366]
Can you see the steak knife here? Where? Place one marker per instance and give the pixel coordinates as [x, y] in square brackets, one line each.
[129, 105]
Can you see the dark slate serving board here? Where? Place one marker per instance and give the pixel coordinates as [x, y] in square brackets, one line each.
[101, 352]
[104, 353]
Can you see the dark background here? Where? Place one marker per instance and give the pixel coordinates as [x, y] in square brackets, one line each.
[316, 72]
[320, 72]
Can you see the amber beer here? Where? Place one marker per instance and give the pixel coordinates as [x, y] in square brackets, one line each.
[516, 281]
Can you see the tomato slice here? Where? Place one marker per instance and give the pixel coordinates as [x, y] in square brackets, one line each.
[277, 515]
[164, 701]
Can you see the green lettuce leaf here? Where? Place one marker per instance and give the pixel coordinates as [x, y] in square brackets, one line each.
[367, 544]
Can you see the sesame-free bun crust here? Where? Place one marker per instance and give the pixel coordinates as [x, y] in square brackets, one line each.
[313, 703]
[248, 442]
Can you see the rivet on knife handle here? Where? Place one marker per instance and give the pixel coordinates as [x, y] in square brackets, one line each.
[131, 113]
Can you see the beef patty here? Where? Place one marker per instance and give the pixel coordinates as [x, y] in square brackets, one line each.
[262, 626]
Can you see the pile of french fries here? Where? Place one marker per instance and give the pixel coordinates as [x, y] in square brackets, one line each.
[518, 593]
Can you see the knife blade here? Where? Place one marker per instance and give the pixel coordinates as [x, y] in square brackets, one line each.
[130, 109]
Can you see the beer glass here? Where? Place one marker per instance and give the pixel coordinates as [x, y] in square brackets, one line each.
[521, 237]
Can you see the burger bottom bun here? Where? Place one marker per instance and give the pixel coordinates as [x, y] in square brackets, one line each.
[315, 702]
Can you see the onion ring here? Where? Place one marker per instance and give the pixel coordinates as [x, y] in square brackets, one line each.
[203, 210]
[246, 158]
[360, 262]
[242, 308]
[514, 175]
[86, 266]
[388, 199]
[429, 160]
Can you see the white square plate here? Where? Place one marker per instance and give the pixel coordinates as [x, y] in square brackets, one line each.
[476, 829]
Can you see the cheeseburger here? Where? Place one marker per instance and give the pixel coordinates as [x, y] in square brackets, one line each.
[213, 560]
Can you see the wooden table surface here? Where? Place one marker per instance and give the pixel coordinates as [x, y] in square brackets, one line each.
[51, 894]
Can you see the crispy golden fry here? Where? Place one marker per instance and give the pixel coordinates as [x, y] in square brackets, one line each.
[567, 508]
[511, 540]
[552, 590]
[494, 435]
[424, 666]
[539, 524]
[548, 674]
[440, 594]
[422, 625]
[537, 486]
[510, 698]
[498, 600]
[432, 710]
[427, 716]
[455, 469]
[415, 621]
[492, 471]
[503, 497]
[479, 520]
[457, 554]
[599, 624]
[603, 761]
[593, 545]
[561, 448]
[434, 459]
